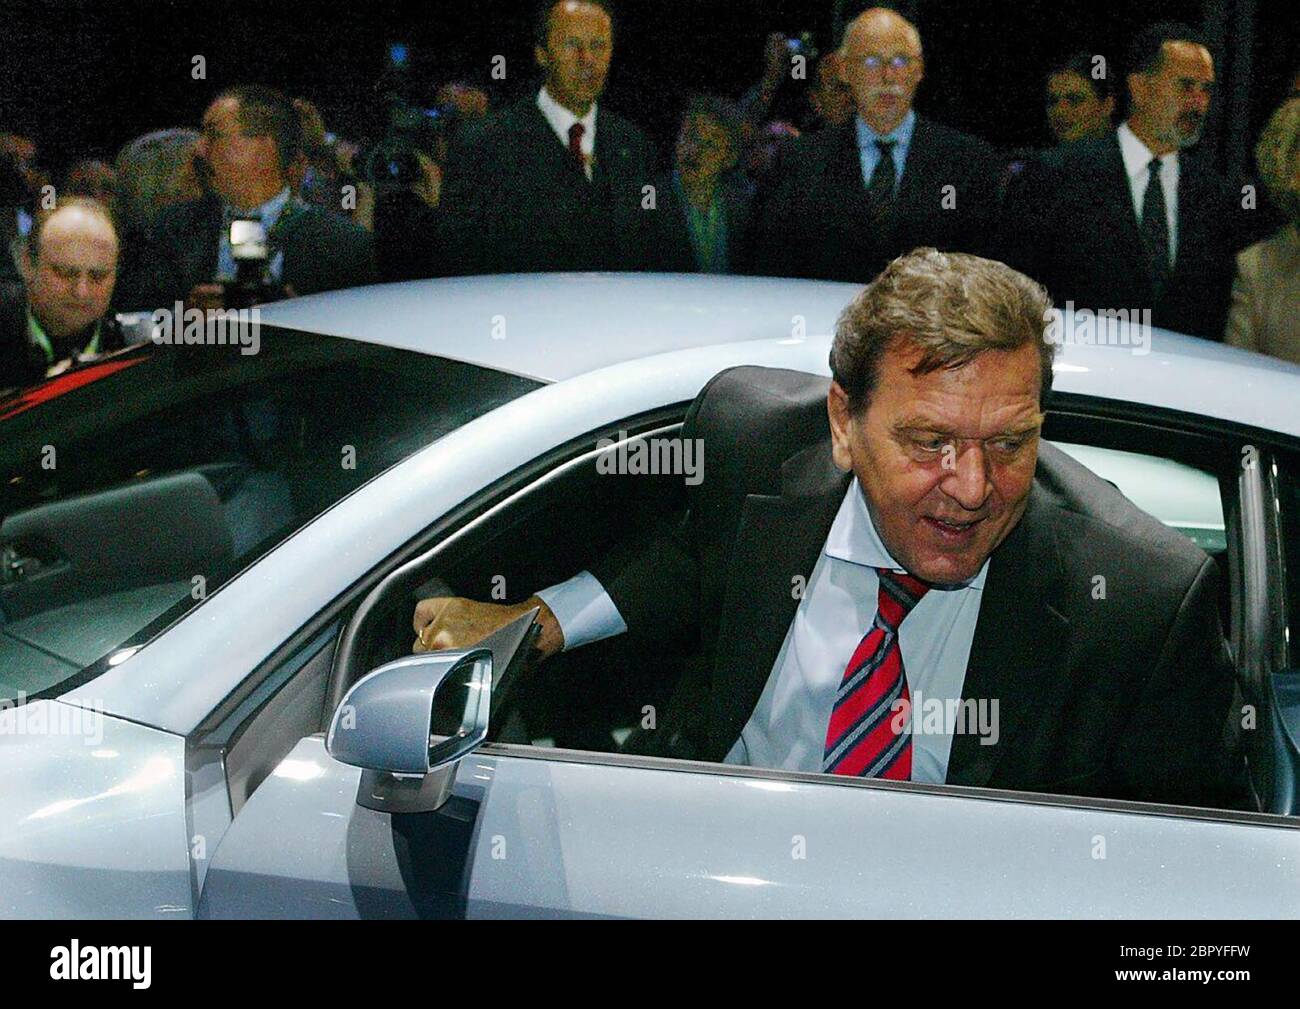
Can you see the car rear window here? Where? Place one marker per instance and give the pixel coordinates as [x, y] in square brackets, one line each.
[133, 489]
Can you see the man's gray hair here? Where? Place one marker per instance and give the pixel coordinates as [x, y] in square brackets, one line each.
[952, 306]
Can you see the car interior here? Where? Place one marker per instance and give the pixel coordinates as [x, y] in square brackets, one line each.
[108, 535]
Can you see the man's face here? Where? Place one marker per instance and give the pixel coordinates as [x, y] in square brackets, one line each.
[704, 148]
[881, 63]
[577, 54]
[227, 157]
[1172, 102]
[71, 282]
[946, 459]
[1073, 109]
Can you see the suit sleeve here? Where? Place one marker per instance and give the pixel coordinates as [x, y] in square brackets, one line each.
[1173, 749]
[1242, 329]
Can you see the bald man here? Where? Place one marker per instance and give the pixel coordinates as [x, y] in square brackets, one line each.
[58, 314]
[850, 198]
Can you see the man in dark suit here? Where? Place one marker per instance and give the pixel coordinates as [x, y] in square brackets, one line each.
[923, 550]
[251, 135]
[850, 198]
[556, 181]
[1137, 219]
[58, 314]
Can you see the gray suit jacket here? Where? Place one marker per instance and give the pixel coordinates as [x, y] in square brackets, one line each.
[1122, 697]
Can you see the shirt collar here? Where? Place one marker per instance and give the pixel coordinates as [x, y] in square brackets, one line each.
[561, 118]
[900, 134]
[1137, 156]
[853, 538]
[269, 212]
[37, 335]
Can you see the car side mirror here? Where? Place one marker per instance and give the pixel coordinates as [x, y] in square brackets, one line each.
[407, 725]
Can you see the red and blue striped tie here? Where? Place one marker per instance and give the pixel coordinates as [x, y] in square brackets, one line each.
[861, 739]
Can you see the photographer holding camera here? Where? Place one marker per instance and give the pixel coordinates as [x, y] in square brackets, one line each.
[251, 239]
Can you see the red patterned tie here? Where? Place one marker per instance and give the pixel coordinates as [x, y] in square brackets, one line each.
[575, 144]
[860, 739]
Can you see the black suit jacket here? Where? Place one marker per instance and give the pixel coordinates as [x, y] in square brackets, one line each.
[1069, 222]
[322, 252]
[22, 363]
[815, 221]
[1124, 697]
[516, 201]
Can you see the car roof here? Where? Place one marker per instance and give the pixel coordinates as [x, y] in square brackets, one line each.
[557, 326]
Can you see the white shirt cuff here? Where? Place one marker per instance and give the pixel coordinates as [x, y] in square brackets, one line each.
[584, 610]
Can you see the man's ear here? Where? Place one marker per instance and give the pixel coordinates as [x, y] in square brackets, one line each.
[541, 56]
[837, 410]
[841, 66]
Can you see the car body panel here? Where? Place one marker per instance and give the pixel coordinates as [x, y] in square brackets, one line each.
[94, 821]
[559, 837]
[558, 326]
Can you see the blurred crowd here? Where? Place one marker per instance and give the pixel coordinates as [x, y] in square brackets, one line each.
[263, 201]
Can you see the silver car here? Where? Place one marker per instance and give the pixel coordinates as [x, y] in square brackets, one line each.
[210, 560]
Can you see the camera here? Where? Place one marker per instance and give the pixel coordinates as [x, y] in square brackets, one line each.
[412, 129]
[251, 250]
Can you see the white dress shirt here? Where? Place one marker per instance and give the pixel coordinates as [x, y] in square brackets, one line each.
[787, 729]
[561, 119]
[1137, 156]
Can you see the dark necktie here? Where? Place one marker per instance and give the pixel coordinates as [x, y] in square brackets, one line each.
[880, 188]
[861, 739]
[1155, 229]
[575, 145]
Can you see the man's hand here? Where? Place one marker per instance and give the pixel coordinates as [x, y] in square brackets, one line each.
[428, 187]
[452, 622]
[206, 297]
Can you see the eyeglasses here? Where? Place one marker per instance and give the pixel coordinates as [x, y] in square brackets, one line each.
[877, 62]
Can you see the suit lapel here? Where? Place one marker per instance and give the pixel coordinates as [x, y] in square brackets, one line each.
[1192, 204]
[550, 149]
[912, 201]
[1016, 653]
[779, 538]
[201, 257]
[1117, 205]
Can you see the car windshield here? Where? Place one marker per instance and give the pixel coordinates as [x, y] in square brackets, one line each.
[132, 489]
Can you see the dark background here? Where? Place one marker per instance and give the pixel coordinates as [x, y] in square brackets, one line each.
[84, 76]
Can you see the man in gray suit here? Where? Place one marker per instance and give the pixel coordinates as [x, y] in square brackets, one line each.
[250, 137]
[945, 558]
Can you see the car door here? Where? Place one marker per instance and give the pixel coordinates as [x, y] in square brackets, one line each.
[531, 830]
